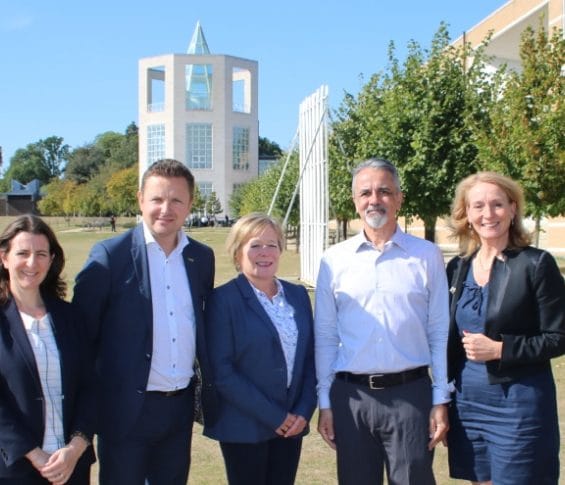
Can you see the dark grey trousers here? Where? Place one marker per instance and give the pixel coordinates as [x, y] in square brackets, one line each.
[382, 429]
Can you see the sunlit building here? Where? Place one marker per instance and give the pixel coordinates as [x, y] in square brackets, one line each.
[201, 109]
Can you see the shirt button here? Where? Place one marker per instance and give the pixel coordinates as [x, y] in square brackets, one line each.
[174, 340]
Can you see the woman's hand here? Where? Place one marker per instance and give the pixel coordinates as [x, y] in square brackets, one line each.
[297, 427]
[38, 458]
[480, 348]
[62, 462]
[286, 425]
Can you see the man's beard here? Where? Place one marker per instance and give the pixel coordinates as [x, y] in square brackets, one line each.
[377, 219]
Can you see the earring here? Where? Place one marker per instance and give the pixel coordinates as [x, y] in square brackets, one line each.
[470, 227]
[512, 222]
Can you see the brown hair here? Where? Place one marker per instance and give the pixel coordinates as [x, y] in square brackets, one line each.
[53, 285]
[167, 167]
[247, 227]
[518, 236]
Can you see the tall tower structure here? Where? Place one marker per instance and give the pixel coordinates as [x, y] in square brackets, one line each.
[201, 109]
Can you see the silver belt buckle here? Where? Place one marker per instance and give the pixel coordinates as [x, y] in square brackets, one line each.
[372, 384]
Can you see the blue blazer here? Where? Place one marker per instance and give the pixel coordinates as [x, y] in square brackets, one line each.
[22, 420]
[113, 297]
[248, 365]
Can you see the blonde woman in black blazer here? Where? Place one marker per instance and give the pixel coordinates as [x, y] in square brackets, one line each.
[507, 322]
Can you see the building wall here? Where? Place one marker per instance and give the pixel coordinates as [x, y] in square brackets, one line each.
[174, 116]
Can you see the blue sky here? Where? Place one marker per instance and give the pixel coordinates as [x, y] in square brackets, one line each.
[70, 68]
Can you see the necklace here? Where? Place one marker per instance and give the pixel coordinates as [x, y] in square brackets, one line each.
[486, 269]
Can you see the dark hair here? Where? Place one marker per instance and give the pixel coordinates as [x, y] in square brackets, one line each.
[53, 285]
[168, 167]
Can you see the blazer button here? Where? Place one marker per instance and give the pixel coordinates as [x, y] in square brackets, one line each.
[148, 356]
[140, 391]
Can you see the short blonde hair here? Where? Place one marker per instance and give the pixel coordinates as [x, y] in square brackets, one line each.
[468, 239]
[247, 227]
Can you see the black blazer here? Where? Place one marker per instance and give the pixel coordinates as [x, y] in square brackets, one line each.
[525, 310]
[112, 295]
[22, 422]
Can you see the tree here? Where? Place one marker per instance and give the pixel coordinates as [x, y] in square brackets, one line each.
[26, 165]
[269, 148]
[524, 135]
[84, 162]
[122, 191]
[213, 205]
[59, 198]
[415, 115]
[54, 155]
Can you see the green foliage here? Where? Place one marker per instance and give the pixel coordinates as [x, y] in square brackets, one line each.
[414, 115]
[213, 205]
[270, 148]
[523, 136]
[122, 191]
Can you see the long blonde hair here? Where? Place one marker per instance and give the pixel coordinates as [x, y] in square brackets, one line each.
[518, 236]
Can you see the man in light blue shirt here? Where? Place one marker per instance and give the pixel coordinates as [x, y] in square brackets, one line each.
[381, 324]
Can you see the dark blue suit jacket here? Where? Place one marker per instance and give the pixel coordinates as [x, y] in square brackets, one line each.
[249, 367]
[113, 297]
[22, 420]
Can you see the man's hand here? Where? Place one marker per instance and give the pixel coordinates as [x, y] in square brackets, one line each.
[439, 425]
[326, 427]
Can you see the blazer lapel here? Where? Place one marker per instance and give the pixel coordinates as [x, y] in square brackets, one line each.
[141, 268]
[500, 276]
[456, 283]
[19, 334]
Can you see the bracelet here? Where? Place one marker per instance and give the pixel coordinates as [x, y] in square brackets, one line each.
[80, 434]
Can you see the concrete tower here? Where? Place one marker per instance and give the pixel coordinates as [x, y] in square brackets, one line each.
[201, 109]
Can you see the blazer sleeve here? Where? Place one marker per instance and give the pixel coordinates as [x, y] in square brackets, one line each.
[549, 342]
[16, 439]
[307, 400]
[222, 314]
[91, 293]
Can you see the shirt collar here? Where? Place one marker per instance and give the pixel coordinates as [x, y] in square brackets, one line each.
[399, 239]
[182, 240]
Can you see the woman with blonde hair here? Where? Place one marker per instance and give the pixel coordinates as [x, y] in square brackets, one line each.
[261, 350]
[507, 309]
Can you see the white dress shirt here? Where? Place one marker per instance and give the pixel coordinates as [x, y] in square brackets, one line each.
[42, 341]
[174, 332]
[381, 311]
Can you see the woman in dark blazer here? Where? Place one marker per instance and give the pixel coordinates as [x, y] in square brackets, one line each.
[260, 344]
[46, 410]
[507, 322]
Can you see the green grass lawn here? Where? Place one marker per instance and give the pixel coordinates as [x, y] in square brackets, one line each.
[317, 465]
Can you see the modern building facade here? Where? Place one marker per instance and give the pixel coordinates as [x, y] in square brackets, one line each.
[201, 109]
[507, 24]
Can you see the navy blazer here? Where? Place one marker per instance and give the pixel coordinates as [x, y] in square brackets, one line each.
[22, 420]
[525, 311]
[249, 367]
[113, 297]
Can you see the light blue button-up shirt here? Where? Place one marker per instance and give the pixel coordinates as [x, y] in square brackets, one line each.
[381, 311]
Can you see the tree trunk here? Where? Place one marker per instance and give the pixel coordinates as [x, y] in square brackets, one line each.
[538, 230]
[344, 229]
[430, 228]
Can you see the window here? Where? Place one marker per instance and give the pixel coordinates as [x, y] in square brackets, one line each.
[198, 86]
[199, 145]
[241, 90]
[205, 188]
[156, 85]
[240, 148]
[155, 143]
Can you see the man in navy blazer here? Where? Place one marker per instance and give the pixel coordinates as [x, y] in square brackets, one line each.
[141, 297]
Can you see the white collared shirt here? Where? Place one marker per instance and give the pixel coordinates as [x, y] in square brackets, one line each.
[42, 341]
[381, 311]
[174, 332]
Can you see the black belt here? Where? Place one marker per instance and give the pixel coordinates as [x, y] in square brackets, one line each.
[176, 392]
[380, 381]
